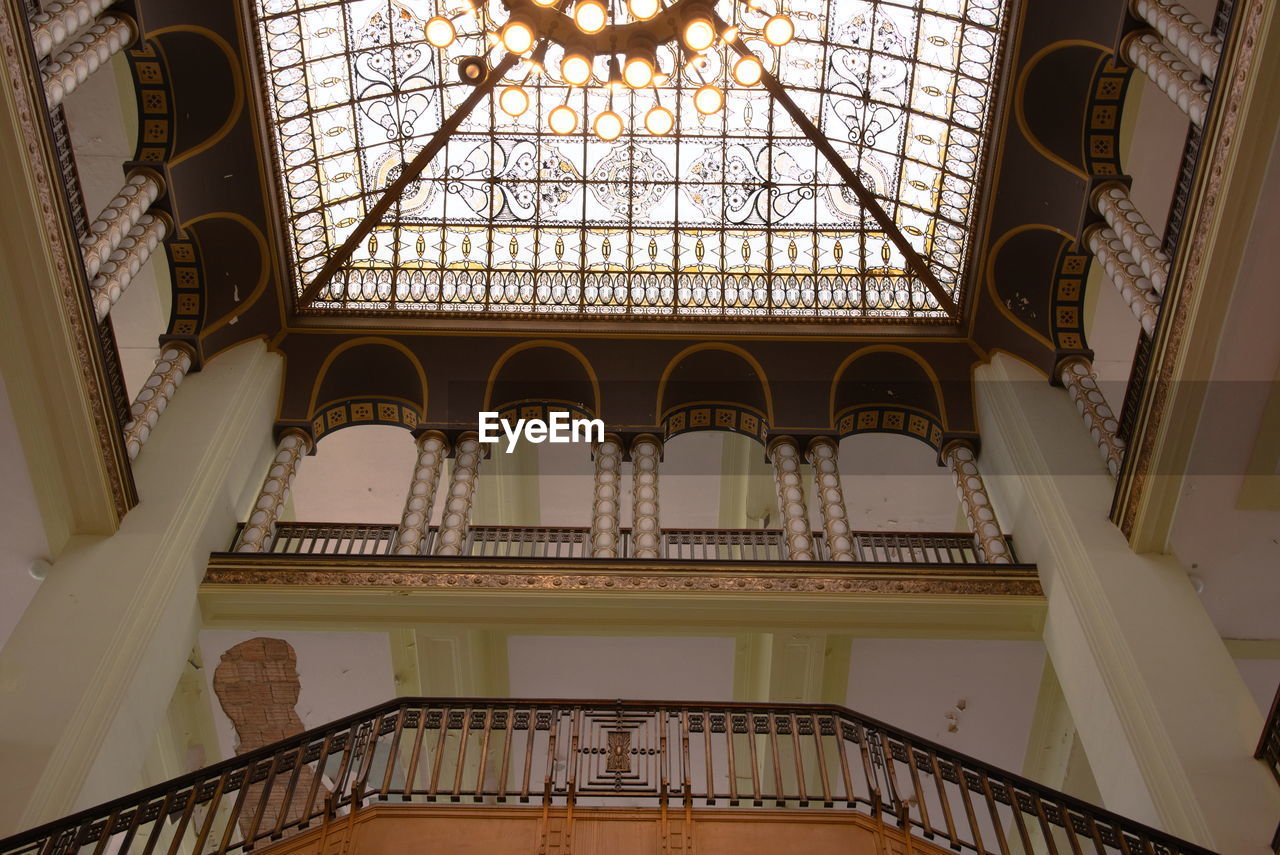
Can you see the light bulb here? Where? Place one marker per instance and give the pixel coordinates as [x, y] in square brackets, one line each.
[699, 33]
[708, 99]
[590, 16]
[563, 120]
[575, 68]
[638, 72]
[659, 121]
[748, 71]
[779, 30]
[517, 35]
[440, 32]
[643, 10]
[608, 126]
[514, 100]
[546, 2]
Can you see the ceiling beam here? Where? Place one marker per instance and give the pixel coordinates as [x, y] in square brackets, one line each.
[915, 262]
[396, 188]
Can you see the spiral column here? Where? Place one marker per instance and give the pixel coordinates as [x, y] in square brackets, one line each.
[1148, 52]
[85, 54]
[1139, 239]
[646, 536]
[142, 187]
[123, 264]
[54, 25]
[1125, 274]
[605, 505]
[415, 520]
[1184, 31]
[822, 453]
[987, 536]
[157, 391]
[258, 532]
[1076, 373]
[462, 490]
[784, 454]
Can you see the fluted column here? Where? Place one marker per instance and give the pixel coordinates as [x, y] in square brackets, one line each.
[1076, 373]
[123, 264]
[784, 454]
[171, 367]
[1113, 202]
[1184, 31]
[84, 55]
[462, 490]
[259, 531]
[54, 25]
[1126, 275]
[606, 506]
[822, 453]
[646, 536]
[415, 520]
[987, 536]
[1148, 52]
[141, 189]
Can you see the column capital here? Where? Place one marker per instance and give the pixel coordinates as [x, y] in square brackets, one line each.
[957, 444]
[776, 441]
[423, 435]
[1104, 188]
[148, 172]
[608, 437]
[822, 442]
[1065, 361]
[284, 431]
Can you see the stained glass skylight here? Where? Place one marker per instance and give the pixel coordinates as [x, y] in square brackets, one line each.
[734, 215]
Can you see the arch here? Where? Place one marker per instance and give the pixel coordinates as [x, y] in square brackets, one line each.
[550, 375]
[389, 370]
[1003, 301]
[237, 83]
[360, 410]
[1020, 98]
[892, 391]
[715, 386]
[259, 287]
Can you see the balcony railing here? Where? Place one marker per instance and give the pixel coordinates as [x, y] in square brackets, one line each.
[1269, 745]
[558, 754]
[870, 547]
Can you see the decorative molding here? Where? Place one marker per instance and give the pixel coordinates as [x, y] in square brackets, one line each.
[155, 103]
[1102, 117]
[891, 418]
[715, 415]
[364, 411]
[1067, 302]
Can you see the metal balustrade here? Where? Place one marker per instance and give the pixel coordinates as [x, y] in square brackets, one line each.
[1269, 745]
[720, 545]
[559, 754]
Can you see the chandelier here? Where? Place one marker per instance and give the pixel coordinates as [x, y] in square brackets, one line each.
[614, 44]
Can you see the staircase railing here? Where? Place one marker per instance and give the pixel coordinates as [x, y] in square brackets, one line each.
[870, 547]
[598, 753]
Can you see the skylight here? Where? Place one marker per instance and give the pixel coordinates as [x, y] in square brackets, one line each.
[736, 215]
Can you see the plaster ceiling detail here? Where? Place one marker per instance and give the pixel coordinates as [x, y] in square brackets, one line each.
[734, 215]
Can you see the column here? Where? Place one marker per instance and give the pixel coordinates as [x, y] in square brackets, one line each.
[171, 367]
[84, 55]
[415, 520]
[784, 454]
[822, 453]
[646, 536]
[1076, 373]
[1125, 274]
[57, 22]
[462, 489]
[605, 505]
[134, 251]
[142, 188]
[1139, 239]
[1184, 31]
[1148, 52]
[987, 535]
[259, 531]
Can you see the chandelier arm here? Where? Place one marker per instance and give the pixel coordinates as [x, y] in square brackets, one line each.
[917, 264]
[411, 172]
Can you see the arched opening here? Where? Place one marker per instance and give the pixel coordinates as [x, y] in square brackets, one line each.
[359, 474]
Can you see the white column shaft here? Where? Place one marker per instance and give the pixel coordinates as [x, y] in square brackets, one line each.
[57, 22]
[823, 454]
[646, 535]
[415, 520]
[972, 492]
[260, 529]
[84, 55]
[154, 397]
[606, 504]
[121, 214]
[1184, 31]
[462, 490]
[785, 457]
[1082, 385]
[118, 270]
[1126, 275]
[1138, 237]
[1148, 52]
